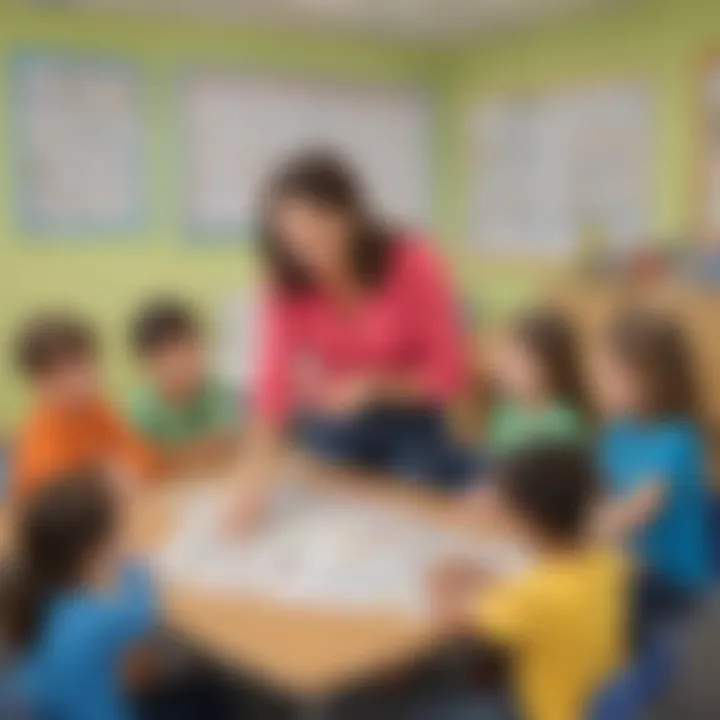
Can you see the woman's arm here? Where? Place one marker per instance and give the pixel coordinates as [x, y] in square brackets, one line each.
[443, 363]
[272, 402]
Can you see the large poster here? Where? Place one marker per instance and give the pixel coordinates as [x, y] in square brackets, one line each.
[238, 127]
[548, 170]
[77, 143]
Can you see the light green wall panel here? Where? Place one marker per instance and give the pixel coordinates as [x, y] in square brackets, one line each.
[106, 278]
[663, 41]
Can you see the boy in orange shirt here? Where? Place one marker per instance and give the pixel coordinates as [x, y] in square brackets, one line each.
[71, 427]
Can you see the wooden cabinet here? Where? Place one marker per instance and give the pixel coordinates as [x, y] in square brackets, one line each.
[592, 303]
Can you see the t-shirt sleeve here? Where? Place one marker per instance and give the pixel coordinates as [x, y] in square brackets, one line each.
[142, 416]
[39, 454]
[129, 448]
[564, 425]
[274, 392]
[504, 613]
[686, 463]
[443, 367]
[128, 614]
[225, 407]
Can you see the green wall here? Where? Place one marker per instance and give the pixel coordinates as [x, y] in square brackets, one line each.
[104, 278]
[661, 40]
[664, 42]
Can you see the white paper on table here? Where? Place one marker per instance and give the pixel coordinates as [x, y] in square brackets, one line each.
[319, 550]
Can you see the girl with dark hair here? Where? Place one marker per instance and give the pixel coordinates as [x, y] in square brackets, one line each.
[540, 385]
[68, 614]
[652, 449]
[363, 342]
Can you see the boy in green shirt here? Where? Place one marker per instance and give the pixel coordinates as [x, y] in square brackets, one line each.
[181, 409]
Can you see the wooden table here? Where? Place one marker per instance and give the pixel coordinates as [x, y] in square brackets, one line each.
[301, 651]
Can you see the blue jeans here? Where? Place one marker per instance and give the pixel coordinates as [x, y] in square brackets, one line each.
[413, 443]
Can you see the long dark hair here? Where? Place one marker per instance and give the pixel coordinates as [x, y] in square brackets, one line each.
[551, 339]
[653, 346]
[325, 179]
[57, 531]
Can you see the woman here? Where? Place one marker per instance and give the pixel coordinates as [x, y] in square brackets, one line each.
[363, 349]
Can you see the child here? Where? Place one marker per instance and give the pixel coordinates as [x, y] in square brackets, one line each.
[185, 412]
[541, 397]
[652, 451]
[539, 382]
[563, 620]
[71, 426]
[70, 610]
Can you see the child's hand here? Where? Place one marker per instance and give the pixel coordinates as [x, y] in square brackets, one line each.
[479, 507]
[123, 482]
[451, 586]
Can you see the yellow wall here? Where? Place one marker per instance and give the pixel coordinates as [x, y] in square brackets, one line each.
[662, 40]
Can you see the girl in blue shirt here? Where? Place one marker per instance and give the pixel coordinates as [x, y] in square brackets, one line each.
[70, 610]
[652, 451]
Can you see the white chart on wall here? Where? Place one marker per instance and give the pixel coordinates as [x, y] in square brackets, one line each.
[77, 142]
[238, 127]
[547, 169]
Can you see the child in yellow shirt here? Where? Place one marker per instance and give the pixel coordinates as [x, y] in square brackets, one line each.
[563, 622]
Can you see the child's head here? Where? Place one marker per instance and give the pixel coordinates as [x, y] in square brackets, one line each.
[65, 540]
[548, 492]
[645, 368]
[168, 338]
[539, 360]
[57, 352]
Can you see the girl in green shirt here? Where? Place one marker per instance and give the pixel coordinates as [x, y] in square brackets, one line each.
[539, 384]
[539, 397]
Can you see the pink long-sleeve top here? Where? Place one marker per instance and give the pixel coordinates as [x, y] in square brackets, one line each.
[408, 327]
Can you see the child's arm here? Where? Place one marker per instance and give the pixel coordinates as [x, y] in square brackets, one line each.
[620, 518]
[480, 508]
[201, 454]
[40, 454]
[500, 611]
[452, 586]
[130, 455]
[679, 468]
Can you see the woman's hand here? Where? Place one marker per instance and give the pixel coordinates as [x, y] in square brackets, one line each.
[248, 509]
[349, 395]
[475, 506]
[252, 495]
